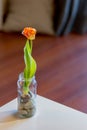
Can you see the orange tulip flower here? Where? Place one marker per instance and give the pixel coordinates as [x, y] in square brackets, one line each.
[29, 33]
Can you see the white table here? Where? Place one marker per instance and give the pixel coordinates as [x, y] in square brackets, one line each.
[50, 116]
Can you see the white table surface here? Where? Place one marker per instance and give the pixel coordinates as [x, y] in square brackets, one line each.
[49, 116]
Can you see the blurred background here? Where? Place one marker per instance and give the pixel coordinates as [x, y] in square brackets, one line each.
[53, 17]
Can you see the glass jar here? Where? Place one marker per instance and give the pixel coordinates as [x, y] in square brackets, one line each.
[26, 101]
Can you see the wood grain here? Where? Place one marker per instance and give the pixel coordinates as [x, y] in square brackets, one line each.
[61, 67]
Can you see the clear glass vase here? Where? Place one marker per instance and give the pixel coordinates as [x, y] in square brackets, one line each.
[26, 101]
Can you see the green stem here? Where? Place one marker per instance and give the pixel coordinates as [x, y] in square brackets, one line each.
[26, 87]
[31, 45]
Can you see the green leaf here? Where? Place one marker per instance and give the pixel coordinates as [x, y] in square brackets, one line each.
[26, 58]
[29, 45]
[30, 65]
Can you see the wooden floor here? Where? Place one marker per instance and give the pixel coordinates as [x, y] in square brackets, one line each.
[61, 68]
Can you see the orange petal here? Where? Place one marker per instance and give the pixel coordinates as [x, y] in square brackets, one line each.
[29, 33]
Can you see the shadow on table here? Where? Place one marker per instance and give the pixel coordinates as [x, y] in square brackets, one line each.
[8, 116]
